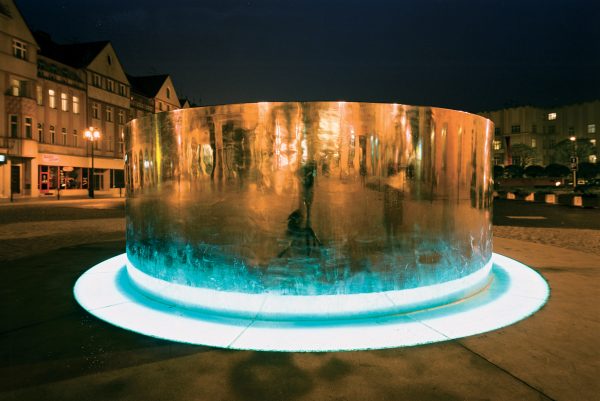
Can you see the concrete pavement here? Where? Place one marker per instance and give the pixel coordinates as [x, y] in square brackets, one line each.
[53, 350]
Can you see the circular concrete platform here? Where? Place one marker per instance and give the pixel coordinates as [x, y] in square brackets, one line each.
[515, 292]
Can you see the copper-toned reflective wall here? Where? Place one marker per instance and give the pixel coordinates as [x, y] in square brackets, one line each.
[309, 198]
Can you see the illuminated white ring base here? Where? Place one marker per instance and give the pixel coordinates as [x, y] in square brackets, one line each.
[270, 306]
[514, 293]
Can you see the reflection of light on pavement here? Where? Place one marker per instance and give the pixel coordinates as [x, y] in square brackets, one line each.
[515, 293]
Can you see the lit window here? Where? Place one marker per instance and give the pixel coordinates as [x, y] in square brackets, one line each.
[15, 86]
[168, 93]
[593, 158]
[591, 128]
[39, 95]
[64, 136]
[51, 99]
[110, 85]
[533, 143]
[551, 116]
[75, 105]
[64, 102]
[19, 49]
[52, 134]
[40, 129]
[95, 110]
[497, 145]
[28, 127]
[593, 142]
[109, 114]
[14, 125]
[75, 138]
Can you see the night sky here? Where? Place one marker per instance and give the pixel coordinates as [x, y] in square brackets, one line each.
[469, 55]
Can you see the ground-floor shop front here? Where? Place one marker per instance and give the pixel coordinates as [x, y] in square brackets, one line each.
[59, 175]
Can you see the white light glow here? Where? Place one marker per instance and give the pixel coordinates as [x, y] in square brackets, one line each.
[515, 292]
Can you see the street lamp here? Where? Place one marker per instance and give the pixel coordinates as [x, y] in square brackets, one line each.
[574, 160]
[92, 134]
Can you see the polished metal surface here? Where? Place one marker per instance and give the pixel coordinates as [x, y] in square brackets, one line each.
[309, 198]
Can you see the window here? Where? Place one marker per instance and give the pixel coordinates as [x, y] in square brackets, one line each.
[168, 107]
[14, 125]
[19, 49]
[515, 129]
[122, 90]
[39, 95]
[28, 127]
[51, 99]
[160, 106]
[497, 131]
[110, 85]
[95, 110]
[64, 136]
[551, 116]
[109, 114]
[533, 143]
[168, 93]
[109, 59]
[534, 128]
[591, 128]
[96, 80]
[75, 138]
[552, 129]
[571, 130]
[497, 145]
[121, 117]
[40, 129]
[75, 105]
[64, 102]
[52, 134]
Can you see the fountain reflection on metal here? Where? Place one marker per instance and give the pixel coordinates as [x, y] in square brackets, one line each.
[317, 198]
[307, 213]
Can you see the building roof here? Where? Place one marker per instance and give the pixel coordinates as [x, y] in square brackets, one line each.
[78, 55]
[147, 85]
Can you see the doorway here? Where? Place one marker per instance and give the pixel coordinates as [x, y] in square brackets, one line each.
[15, 179]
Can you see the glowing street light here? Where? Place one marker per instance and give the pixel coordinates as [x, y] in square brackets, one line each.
[92, 134]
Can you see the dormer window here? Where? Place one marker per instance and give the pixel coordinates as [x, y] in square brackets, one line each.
[168, 93]
[19, 49]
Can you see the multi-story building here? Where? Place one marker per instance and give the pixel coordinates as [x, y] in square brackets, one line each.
[49, 95]
[18, 109]
[152, 94]
[531, 135]
[96, 95]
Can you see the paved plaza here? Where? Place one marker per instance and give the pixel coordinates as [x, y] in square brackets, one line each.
[51, 349]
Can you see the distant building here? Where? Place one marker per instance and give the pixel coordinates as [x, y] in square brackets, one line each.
[530, 135]
[18, 109]
[152, 94]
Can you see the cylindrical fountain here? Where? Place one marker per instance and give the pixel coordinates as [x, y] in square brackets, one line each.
[309, 210]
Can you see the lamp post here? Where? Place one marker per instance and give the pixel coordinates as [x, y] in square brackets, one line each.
[574, 160]
[92, 134]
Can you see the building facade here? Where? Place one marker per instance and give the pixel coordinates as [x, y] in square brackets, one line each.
[50, 94]
[18, 109]
[152, 94]
[530, 135]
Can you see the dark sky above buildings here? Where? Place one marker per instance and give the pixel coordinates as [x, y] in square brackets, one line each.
[470, 55]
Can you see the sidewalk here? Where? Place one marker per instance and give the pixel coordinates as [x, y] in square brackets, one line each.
[54, 199]
[53, 350]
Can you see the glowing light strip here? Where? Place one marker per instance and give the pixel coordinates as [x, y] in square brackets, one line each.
[269, 306]
[515, 292]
